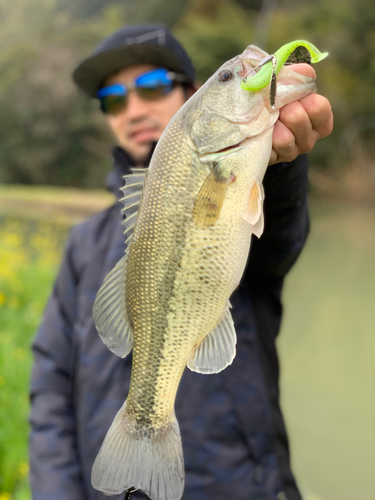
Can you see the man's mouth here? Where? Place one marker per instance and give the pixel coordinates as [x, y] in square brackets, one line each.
[144, 134]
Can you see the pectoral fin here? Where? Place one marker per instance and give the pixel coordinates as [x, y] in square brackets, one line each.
[217, 350]
[211, 197]
[254, 210]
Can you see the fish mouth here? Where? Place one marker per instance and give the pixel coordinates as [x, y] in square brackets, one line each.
[231, 148]
[214, 156]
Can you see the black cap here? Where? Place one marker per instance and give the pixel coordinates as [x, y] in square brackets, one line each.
[152, 44]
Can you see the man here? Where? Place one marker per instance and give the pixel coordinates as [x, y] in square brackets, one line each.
[233, 436]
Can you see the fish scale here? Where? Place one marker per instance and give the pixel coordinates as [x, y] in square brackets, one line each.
[168, 297]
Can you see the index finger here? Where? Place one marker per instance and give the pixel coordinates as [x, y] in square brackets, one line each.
[303, 69]
[319, 111]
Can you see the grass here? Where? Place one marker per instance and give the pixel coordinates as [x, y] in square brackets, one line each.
[34, 223]
[64, 205]
[327, 343]
[29, 257]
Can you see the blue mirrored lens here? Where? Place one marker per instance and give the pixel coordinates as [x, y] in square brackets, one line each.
[115, 89]
[155, 78]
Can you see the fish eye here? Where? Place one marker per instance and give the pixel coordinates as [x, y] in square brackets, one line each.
[225, 75]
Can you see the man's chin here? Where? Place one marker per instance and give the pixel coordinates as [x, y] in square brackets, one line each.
[142, 154]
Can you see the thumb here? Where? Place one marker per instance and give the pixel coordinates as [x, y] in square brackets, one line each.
[303, 69]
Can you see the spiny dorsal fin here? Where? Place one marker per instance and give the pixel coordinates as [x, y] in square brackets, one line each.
[133, 190]
[218, 349]
[110, 314]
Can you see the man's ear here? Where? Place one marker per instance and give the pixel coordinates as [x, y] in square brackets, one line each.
[191, 89]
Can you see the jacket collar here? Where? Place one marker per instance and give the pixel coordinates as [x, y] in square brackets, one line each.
[122, 164]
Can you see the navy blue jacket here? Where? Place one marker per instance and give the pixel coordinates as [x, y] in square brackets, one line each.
[234, 440]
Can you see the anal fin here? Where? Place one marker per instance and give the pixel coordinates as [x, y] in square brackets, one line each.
[218, 349]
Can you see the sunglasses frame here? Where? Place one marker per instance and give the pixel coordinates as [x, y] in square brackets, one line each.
[123, 90]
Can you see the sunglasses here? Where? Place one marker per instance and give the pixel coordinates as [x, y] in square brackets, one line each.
[150, 85]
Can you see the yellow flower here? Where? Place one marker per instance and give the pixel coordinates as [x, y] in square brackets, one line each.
[23, 470]
[5, 496]
[19, 353]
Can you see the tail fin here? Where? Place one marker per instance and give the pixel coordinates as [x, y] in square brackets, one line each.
[149, 460]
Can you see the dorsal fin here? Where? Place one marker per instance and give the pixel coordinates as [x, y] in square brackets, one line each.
[109, 310]
[110, 315]
[133, 190]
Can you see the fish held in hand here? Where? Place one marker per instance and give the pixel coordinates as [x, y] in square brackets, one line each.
[189, 222]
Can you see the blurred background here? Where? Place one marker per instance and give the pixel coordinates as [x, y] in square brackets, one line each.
[55, 154]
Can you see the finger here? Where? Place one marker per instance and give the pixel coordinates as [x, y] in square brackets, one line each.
[303, 69]
[320, 114]
[273, 157]
[295, 117]
[283, 144]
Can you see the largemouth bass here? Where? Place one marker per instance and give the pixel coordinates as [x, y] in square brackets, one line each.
[189, 222]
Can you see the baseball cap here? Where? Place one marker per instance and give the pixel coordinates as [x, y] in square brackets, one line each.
[147, 44]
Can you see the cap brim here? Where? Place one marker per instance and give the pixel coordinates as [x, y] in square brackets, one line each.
[92, 73]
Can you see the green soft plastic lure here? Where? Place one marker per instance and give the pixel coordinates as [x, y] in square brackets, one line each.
[268, 68]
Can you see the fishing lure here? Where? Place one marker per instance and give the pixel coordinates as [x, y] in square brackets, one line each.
[266, 74]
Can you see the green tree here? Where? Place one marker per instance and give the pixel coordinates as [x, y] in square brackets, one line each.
[50, 133]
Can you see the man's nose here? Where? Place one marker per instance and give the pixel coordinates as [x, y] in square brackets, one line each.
[136, 106]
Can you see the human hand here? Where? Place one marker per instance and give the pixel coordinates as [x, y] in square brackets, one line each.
[301, 123]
